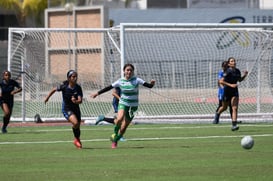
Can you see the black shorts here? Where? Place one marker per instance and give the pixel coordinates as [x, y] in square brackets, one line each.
[67, 113]
[229, 93]
[9, 103]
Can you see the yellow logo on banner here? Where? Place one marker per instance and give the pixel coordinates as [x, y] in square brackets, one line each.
[229, 38]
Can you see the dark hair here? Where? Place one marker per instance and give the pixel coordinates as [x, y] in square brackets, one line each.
[6, 71]
[225, 65]
[230, 59]
[70, 72]
[128, 65]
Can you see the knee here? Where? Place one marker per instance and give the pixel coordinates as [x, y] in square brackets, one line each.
[76, 126]
[223, 108]
[7, 114]
[119, 120]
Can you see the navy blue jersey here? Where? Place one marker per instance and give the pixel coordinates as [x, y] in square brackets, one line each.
[7, 88]
[68, 93]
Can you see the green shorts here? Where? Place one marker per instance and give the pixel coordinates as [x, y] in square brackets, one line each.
[129, 111]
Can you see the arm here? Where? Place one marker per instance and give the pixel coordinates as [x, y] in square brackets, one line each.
[77, 100]
[219, 84]
[17, 86]
[221, 81]
[16, 91]
[50, 94]
[244, 76]
[149, 85]
[102, 91]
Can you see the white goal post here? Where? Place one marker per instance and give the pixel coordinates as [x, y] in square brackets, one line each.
[184, 59]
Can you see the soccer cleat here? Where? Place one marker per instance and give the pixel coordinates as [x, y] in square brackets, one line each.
[114, 144]
[77, 143]
[100, 118]
[4, 130]
[234, 128]
[122, 139]
[216, 119]
[215, 122]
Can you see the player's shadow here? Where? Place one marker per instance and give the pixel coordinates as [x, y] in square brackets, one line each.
[106, 148]
[23, 132]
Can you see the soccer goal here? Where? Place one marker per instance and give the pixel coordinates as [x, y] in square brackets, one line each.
[40, 58]
[184, 59]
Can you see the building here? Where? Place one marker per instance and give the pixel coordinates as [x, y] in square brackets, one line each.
[163, 11]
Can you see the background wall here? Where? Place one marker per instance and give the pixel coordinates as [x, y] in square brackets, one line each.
[190, 16]
[77, 17]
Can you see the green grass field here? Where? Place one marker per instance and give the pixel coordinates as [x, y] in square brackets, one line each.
[152, 152]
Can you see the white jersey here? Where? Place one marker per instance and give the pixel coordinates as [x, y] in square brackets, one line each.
[129, 90]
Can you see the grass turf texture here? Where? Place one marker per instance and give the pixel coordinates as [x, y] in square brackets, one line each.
[154, 152]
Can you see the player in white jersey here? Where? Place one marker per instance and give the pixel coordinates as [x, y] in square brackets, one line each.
[128, 103]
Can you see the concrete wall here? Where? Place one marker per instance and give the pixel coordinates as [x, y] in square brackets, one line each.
[79, 17]
[190, 16]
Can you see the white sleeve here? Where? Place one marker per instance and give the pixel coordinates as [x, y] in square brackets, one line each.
[116, 83]
[140, 81]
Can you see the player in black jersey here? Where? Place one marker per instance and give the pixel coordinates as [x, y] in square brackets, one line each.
[72, 97]
[9, 87]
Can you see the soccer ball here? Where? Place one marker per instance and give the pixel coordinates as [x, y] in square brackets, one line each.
[247, 142]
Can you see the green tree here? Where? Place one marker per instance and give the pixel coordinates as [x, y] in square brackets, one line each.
[24, 9]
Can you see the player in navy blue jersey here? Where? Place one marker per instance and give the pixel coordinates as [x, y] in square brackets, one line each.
[9, 88]
[231, 94]
[116, 96]
[72, 97]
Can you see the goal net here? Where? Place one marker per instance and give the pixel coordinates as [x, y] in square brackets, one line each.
[184, 60]
[40, 58]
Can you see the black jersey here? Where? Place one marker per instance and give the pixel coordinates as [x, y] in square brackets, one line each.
[231, 76]
[7, 88]
[68, 93]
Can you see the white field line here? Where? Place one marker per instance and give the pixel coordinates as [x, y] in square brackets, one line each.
[143, 139]
[196, 137]
[134, 139]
